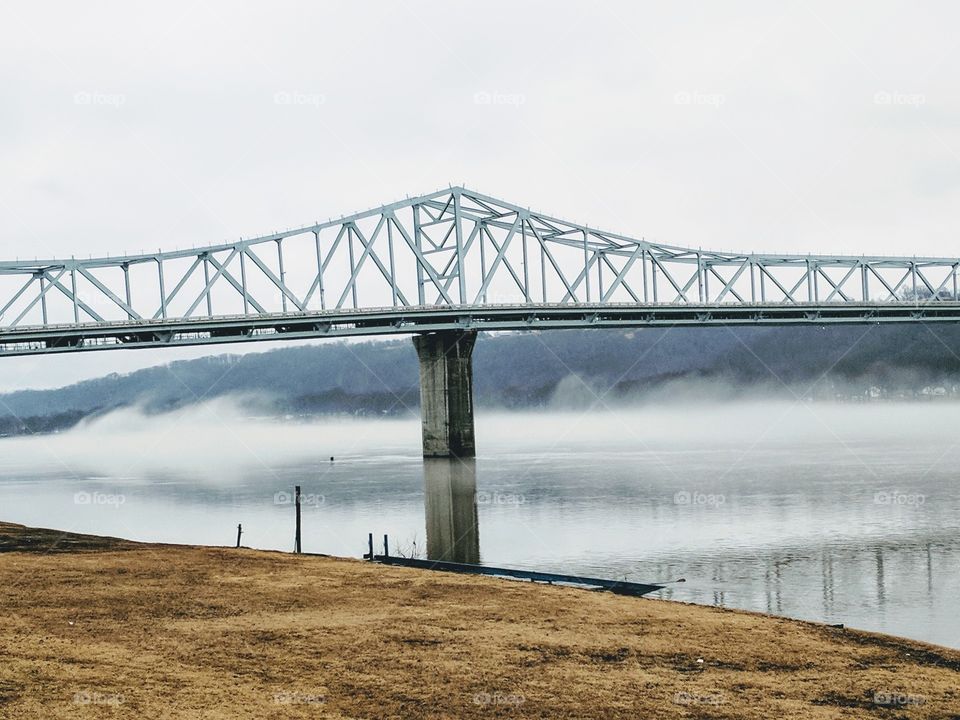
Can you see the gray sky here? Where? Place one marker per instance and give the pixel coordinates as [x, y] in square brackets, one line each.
[796, 127]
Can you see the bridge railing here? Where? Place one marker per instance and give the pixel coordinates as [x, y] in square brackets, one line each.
[450, 248]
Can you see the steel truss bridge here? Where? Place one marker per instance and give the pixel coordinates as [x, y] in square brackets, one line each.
[453, 259]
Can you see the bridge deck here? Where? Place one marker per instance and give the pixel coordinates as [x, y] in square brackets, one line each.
[33, 340]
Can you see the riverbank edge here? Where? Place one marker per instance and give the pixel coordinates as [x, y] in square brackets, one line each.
[703, 638]
[15, 537]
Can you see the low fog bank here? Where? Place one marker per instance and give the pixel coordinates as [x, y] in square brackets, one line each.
[577, 392]
[781, 425]
[218, 439]
[210, 440]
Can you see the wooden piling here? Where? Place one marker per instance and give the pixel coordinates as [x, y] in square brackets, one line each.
[239, 533]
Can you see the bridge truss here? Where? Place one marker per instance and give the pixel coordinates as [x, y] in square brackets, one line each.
[453, 258]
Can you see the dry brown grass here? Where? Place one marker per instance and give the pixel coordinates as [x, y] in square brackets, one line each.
[152, 631]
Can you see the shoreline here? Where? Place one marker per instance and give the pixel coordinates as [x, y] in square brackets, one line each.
[180, 630]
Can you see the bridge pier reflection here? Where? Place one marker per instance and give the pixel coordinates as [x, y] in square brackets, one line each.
[453, 532]
[446, 392]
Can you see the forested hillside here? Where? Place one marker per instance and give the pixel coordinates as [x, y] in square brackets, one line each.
[523, 370]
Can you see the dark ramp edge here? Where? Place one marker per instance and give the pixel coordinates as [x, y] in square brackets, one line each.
[615, 586]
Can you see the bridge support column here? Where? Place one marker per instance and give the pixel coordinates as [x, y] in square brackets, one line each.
[450, 486]
[446, 392]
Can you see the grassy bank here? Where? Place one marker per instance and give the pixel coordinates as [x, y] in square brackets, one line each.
[100, 628]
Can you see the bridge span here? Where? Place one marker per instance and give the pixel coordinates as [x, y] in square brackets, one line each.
[442, 267]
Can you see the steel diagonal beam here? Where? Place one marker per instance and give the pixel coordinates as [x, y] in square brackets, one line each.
[482, 204]
[788, 296]
[240, 287]
[695, 277]
[421, 260]
[561, 231]
[681, 293]
[55, 282]
[367, 249]
[494, 211]
[322, 266]
[426, 209]
[43, 292]
[506, 262]
[620, 274]
[927, 284]
[205, 293]
[336, 244]
[19, 293]
[40, 297]
[603, 240]
[368, 244]
[728, 286]
[499, 220]
[837, 287]
[446, 207]
[165, 301]
[797, 285]
[574, 238]
[446, 235]
[552, 227]
[553, 262]
[675, 254]
[906, 275]
[936, 293]
[878, 276]
[281, 286]
[501, 251]
[421, 228]
[580, 278]
[131, 313]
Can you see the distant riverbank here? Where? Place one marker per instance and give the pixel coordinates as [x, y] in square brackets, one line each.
[174, 631]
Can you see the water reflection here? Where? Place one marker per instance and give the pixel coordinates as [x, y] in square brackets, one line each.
[881, 590]
[453, 532]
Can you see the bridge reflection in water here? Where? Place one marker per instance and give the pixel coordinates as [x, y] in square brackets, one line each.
[782, 581]
[450, 487]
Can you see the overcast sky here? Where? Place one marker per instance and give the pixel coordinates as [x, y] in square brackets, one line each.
[760, 126]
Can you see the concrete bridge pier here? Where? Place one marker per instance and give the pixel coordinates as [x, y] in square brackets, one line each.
[446, 392]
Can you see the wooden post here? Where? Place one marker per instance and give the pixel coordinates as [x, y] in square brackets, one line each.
[386, 546]
[370, 544]
[239, 533]
[296, 546]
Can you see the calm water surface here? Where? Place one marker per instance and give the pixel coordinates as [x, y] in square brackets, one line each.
[838, 514]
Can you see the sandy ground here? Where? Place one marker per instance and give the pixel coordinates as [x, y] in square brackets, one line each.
[101, 628]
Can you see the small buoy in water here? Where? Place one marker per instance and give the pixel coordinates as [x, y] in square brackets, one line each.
[331, 458]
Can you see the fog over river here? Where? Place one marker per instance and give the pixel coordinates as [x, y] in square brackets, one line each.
[839, 513]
